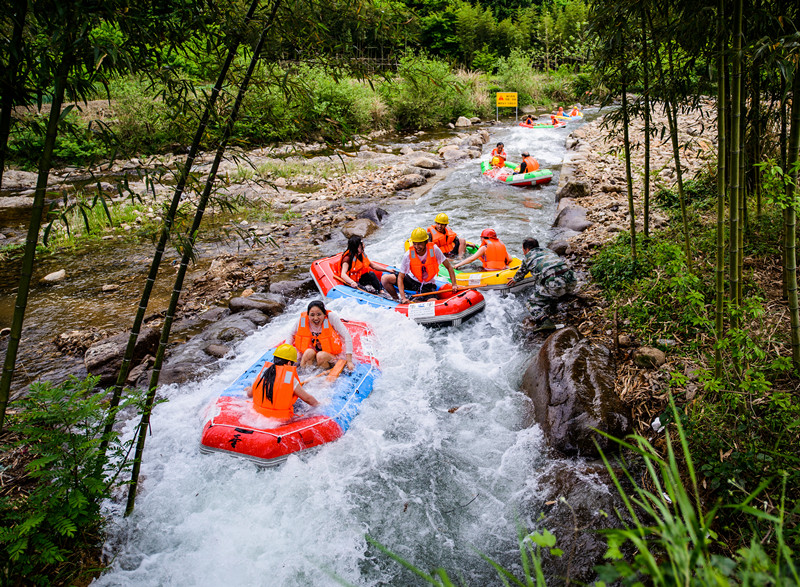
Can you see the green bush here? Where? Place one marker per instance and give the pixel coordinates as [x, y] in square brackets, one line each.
[75, 144]
[425, 93]
[45, 534]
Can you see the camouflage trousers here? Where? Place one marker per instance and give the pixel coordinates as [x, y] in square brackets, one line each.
[547, 291]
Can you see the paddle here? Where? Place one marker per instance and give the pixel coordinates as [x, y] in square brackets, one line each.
[430, 293]
[336, 371]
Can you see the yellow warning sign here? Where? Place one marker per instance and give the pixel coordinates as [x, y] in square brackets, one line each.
[506, 99]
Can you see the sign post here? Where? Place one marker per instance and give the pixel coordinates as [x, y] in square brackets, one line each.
[507, 100]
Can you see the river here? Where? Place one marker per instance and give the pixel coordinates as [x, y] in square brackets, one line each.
[435, 484]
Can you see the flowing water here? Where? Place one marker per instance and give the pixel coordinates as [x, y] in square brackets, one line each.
[433, 483]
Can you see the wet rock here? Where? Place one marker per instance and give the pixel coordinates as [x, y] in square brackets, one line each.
[293, 288]
[649, 357]
[455, 154]
[475, 120]
[374, 213]
[572, 217]
[578, 500]
[484, 134]
[109, 287]
[463, 121]
[257, 317]
[54, 277]
[191, 361]
[104, 358]
[362, 227]
[217, 350]
[268, 307]
[231, 333]
[409, 181]
[450, 125]
[14, 179]
[571, 383]
[427, 163]
[560, 247]
[574, 189]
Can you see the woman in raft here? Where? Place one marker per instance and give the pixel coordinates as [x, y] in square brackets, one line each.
[319, 335]
[277, 387]
[357, 269]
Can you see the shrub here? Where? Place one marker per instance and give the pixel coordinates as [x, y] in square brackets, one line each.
[425, 93]
[75, 144]
[45, 533]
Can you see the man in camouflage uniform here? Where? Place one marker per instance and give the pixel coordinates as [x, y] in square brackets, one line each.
[553, 278]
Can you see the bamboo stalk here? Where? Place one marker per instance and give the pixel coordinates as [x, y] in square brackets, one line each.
[790, 242]
[186, 258]
[26, 274]
[719, 283]
[116, 392]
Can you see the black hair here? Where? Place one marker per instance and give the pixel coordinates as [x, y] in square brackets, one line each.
[266, 380]
[316, 304]
[530, 243]
[526, 154]
[352, 252]
[500, 145]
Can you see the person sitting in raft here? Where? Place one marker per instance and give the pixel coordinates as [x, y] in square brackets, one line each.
[499, 155]
[443, 237]
[318, 336]
[529, 120]
[418, 268]
[575, 111]
[559, 113]
[356, 266]
[528, 164]
[277, 387]
[492, 253]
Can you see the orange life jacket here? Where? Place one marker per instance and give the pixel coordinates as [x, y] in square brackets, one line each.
[531, 164]
[327, 340]
[445, 241]
[431, 264]
[357, 268]
[501, 154]
[283, 397]
[495, 256]
[574, 112]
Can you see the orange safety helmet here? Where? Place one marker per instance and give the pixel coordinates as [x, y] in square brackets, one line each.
[489, 233]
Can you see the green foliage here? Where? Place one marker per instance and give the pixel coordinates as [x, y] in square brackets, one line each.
[674, 536]
[425, 93]
[485, 60]
[700, 192]
[44, 535]
[75, 144]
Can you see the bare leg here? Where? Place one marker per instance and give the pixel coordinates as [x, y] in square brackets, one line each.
[308, 357]
[325, 360]
[388, 280]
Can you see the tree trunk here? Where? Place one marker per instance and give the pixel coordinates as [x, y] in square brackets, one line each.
[736, 153]
[166, 229]
[33, 234]
[628, 175]
[672, 119]
[11, 90]
[790, 220]
[185, 259]
[646, 95]
[719, 318]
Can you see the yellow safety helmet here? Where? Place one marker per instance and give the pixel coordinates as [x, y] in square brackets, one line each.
[419, 235]
[286, 351]
[441, 218]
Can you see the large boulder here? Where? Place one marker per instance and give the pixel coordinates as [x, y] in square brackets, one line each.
[411, 180]
[362, 227]
[267, 306]
[427, 163]
[576, 188]
[572, 217]
[577, 500]
[374, 213]
[104, 358]
[463, 121]
[571, 384]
